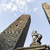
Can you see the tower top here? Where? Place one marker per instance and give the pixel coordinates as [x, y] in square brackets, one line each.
[14, 35]
[46, 9]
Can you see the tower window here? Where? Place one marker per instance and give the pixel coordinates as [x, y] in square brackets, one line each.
[16, 25]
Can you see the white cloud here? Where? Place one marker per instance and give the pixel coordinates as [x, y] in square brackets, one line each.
[14, 8]
[12, 0]
[8, 6]
[10, 3]
[3, 5]
[35, 9]
[20, 3]
[5, 0]
[14, 5]
[30, 0]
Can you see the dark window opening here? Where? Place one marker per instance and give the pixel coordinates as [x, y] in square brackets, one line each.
[16, 25]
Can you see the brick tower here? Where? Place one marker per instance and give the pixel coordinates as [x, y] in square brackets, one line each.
[14, 35]
[46, 8]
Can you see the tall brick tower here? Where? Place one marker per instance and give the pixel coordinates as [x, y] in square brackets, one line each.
[46, 8]
[14, 35]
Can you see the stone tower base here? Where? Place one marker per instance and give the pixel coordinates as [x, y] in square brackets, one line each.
[38, 47]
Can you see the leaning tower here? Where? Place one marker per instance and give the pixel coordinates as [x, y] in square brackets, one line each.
[46, 9]
[14, 35]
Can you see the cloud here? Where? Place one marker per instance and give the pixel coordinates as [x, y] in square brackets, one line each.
[20, 3]
[15, 5]
[4, 0]
[12, 0]
[14, 8]
[30, 0]
[8, 6]
[35, 9]
[10, 3]
[3, 5]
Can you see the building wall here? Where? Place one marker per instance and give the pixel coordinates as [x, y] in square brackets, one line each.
[14, 35]
[36, 47]
[46, 8]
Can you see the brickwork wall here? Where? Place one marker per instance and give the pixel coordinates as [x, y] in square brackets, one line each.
[46, 8]
[14, 35]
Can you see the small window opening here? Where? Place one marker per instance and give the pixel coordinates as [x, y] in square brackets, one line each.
[16, 25]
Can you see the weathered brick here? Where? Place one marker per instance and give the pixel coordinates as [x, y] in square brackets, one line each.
[14, 35]
[46, 8]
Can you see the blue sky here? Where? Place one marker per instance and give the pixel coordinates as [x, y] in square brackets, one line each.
[10, 10]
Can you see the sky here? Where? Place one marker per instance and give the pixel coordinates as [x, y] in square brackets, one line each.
[10, 10]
